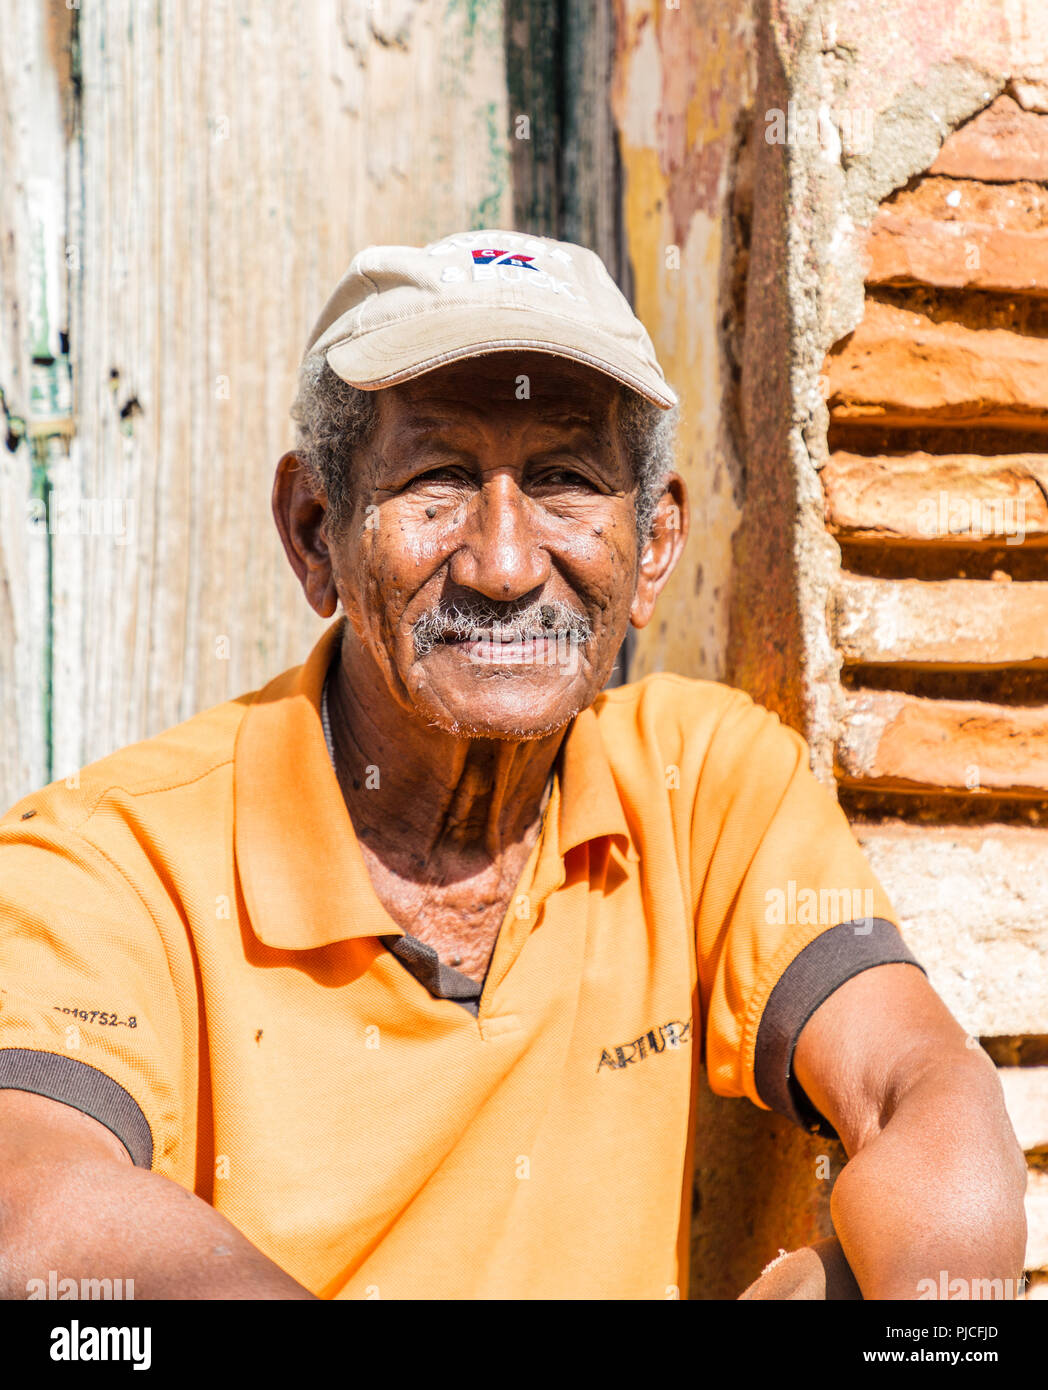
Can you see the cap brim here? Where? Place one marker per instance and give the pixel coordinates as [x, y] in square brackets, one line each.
[411, 347]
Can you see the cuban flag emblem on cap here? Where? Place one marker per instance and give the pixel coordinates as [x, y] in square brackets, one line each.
[489, 256]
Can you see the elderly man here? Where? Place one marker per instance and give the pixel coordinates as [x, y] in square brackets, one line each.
[393, 978]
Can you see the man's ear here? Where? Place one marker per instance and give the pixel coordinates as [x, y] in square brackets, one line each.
[663, 549]
[299, 513]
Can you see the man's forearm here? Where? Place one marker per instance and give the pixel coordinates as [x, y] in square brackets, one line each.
[938, 1192]
[90, 1219]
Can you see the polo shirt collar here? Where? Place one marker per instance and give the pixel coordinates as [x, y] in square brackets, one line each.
[302, 874]
[589, 799]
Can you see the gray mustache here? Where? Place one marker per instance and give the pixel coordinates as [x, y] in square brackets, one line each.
[458, 622]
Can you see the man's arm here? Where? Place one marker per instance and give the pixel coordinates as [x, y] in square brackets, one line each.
[72, 1201]
[935, 1178]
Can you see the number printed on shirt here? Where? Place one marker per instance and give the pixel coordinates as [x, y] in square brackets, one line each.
[105, 1017]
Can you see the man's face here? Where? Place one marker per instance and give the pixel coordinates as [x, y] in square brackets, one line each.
[490, 564]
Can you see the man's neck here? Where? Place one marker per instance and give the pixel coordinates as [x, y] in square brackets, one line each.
[418, 793]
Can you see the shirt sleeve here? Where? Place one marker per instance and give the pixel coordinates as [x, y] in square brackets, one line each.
[88, 1012]
[789, 909]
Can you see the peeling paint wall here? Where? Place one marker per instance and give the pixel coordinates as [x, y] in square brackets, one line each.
[186, 184]
[682, 91]
[35, 382]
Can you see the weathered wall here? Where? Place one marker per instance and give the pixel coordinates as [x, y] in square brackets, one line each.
[914, 355]
[681, 93]
[705, 215]
[184, 183]
[842, 382]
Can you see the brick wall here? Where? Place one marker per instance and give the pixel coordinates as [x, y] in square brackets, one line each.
[767, 147]
[936, 490]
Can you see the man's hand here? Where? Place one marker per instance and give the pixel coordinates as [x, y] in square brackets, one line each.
[72, 1201]
[935, 1178]
[817, 1271]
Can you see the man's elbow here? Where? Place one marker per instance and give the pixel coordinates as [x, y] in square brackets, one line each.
[963, 1093]
[938, 1194]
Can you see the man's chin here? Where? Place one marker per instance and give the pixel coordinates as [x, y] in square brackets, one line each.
[512, 702]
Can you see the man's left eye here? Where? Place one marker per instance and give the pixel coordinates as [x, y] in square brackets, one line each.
[559, 477]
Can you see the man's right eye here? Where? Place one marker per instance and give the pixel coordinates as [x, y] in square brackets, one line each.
[446, 472]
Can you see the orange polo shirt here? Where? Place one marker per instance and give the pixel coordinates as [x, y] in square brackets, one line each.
[190, 951]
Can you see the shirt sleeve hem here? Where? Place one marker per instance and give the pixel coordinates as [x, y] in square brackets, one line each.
[85, 1088]
[825, 963]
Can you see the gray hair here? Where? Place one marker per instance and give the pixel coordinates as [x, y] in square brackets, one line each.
[333, 419]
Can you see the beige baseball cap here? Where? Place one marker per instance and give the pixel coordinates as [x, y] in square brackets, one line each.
[400, 311]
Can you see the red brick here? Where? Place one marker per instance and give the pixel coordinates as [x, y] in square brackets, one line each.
[900, 368]
[897, 742]
[956, 255]
[963, 234]
[1001, 144]
[953, 623]
[962, 499]
[1016, 207]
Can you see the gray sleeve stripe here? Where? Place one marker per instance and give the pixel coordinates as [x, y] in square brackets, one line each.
[808, 981]
[85, 1088]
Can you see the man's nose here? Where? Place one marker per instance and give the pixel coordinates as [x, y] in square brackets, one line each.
[500, 555]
